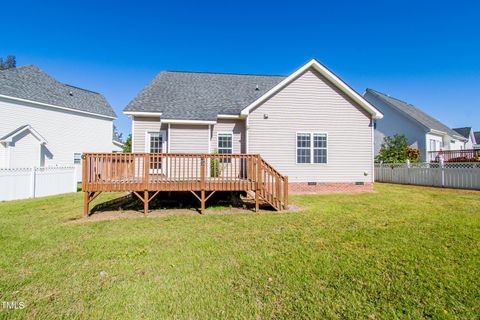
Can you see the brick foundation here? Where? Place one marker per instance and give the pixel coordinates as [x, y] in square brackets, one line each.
[327, 187]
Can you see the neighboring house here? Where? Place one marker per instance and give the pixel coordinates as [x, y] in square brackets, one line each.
[47, 123]
[467, 133]
[422, 131]
[477, 140]
[310, 125]
[117, 144]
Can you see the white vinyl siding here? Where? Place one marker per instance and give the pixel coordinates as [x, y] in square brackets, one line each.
[395, 122]
[311, 104]
[140, 127]
[236, 127]
[188, 138]
[66, 133]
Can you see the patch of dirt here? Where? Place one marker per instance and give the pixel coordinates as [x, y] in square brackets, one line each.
[168, 204]
[133, 214]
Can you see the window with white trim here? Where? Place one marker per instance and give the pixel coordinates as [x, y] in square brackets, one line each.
[156, 142]
[311, 147]
[319, 148]
[225, 143]
[303, 148]
[77, 158]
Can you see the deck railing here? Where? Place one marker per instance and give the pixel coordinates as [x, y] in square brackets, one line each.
[467, 155]
[135, 172]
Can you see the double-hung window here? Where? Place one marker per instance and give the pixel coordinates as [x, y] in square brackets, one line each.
[311, 147]
[224, 143]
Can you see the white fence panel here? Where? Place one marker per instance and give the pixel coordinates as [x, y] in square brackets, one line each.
[15, 183]
[25, 183]
[449, 175]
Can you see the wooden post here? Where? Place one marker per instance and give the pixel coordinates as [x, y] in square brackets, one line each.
[86, 202]
[84, 171]
[145, 202]
[285, 192]
[202, 208]
[259, 183]
[146, 174]
[202, 183]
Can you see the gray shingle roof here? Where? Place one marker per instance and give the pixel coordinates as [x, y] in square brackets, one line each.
[477, 137]
[201, 96]
[464, 132]
[30, 83]
[415, 113]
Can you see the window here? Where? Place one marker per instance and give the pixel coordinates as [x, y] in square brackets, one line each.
[435, 145]
[311, 148]
[319, 148]
[224, 143]
[77, 158]
[156, 141]
[303, 148]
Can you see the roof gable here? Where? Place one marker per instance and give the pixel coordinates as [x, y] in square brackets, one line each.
[477, 137]
[31, 84]
[415, 113]
[464, 132]
[330, 76]
[9, 136]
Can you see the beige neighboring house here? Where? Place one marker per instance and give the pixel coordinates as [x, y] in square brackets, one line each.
[309, 125]
[44, 122]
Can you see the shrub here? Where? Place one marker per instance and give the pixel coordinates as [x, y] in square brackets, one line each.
[396, 150]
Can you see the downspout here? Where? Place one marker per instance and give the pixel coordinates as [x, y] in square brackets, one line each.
[168, 137]
[246, 135]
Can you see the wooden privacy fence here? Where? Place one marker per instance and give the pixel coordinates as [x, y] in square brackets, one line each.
[449, 175]
[156, 172]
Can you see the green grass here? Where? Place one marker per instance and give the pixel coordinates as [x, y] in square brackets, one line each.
[401, 252]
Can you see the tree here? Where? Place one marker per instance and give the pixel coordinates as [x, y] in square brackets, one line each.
[396, 150]
[127, 146]
[9, 63]
[117, 135]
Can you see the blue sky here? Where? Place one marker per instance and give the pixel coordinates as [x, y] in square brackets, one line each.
[424, 52]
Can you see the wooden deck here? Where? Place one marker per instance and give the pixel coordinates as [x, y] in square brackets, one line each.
[201, 174]
[466, 155]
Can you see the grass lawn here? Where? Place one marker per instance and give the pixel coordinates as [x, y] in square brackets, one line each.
[401, 252]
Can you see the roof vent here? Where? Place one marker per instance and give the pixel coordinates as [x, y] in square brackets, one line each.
[70, 93]
[256, 88]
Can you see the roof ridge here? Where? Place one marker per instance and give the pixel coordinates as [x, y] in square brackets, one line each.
[387, 95]
[225, 73]
[83, 89]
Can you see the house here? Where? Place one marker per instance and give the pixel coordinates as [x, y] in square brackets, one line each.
[47, 123]
[117, 144]
[311, 126]
[423, 132]
[467, 133]
[477, 140]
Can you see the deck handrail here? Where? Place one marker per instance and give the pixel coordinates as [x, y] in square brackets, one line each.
[143, 172]
[455, 155]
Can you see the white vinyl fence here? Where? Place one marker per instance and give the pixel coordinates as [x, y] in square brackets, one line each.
[22, 183]
[449, 175]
